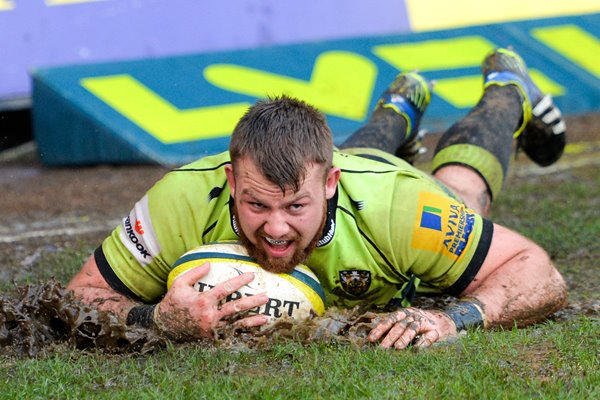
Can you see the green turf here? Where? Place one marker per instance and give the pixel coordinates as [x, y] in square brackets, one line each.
[552, 360]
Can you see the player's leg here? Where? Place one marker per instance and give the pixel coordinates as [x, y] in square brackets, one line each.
[394, 124]
[472, 157]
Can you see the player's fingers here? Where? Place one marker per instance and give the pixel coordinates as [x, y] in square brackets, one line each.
[222, 290]
[393, 335]
[394, 332]
[410, 332]
[249, 322]
[427, 339]
[402, 334]
[385, 324]
[191, 276]
[243, 304]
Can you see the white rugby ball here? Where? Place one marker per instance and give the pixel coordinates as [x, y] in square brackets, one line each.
[296, 295]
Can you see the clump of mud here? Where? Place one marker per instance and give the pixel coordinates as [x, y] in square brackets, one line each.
[41, 318]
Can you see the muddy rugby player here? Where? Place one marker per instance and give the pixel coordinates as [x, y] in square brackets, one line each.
[374, 229]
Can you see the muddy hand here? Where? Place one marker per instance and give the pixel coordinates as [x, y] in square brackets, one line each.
[422, 328]
[186, 313]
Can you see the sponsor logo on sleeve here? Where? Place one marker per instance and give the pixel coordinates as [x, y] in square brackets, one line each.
[431, 218]
[135, 239]
[458, 229]
[138, 227]
[442, 225]
[138, 234]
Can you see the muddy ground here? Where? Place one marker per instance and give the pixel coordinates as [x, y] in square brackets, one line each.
[45, 210]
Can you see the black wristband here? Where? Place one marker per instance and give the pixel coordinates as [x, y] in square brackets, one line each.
[141, 315]
[466, 314]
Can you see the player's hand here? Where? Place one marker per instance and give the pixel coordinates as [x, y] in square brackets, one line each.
[421, 328]
[187, 313]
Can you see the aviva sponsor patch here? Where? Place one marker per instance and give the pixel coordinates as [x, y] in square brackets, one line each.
[442, 225]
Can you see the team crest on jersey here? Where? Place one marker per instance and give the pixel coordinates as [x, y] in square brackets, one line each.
[355, 282]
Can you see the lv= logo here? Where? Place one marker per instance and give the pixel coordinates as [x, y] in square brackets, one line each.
[340, 85]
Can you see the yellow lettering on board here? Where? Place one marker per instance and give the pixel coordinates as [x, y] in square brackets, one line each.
[445, 54]
[159, 117]
[574, 43]
[429, 55]
[341, 83]
[465, 91]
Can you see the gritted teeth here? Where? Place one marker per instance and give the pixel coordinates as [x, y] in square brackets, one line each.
[275, 242]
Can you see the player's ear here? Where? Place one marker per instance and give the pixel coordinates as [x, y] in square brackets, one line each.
[230, 178]
[333, 177]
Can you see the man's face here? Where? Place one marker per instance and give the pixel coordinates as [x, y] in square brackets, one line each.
[280, 229]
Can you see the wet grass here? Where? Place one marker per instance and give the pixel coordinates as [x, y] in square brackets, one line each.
[553, 360]
[561, 212]
[557, 359]
[47, 261]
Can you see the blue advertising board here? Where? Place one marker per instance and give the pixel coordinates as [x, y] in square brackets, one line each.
[172, 110]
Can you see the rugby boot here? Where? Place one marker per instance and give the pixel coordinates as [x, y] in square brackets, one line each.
[545, 135]
[408, 96]
[542, 134]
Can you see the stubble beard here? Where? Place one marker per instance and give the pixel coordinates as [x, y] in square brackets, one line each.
[278, 265]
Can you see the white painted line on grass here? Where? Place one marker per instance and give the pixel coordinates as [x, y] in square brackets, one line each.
[534, 170]
[18, 151]
[66, 231]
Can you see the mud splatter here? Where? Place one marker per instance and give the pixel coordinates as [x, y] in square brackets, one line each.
[40, 318]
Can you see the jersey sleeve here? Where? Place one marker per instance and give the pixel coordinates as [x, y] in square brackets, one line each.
[442, 241]
[136, 258]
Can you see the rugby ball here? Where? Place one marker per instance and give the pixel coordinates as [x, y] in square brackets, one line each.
[297, 295]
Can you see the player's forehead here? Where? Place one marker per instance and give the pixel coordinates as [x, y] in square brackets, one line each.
[250, 180]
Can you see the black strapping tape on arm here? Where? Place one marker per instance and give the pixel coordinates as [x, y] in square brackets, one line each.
[142, 315]
[466, 315]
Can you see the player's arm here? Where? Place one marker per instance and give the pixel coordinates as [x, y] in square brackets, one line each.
[91, 288]
[183, 313]
[516, 283]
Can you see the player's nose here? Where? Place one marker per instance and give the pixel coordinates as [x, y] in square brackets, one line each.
[276, 226]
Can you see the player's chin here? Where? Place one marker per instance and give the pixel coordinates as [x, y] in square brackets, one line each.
[279, 264]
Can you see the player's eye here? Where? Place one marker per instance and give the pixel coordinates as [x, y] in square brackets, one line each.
[296, 207]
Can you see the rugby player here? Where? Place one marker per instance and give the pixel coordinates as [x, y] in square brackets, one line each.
[375, 230]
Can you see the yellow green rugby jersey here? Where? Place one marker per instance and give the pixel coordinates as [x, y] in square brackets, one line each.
[391, 231]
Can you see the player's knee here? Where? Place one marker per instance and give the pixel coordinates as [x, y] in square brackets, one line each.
[468, 185]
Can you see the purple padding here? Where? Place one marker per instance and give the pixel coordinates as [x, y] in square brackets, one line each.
[34, 35]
